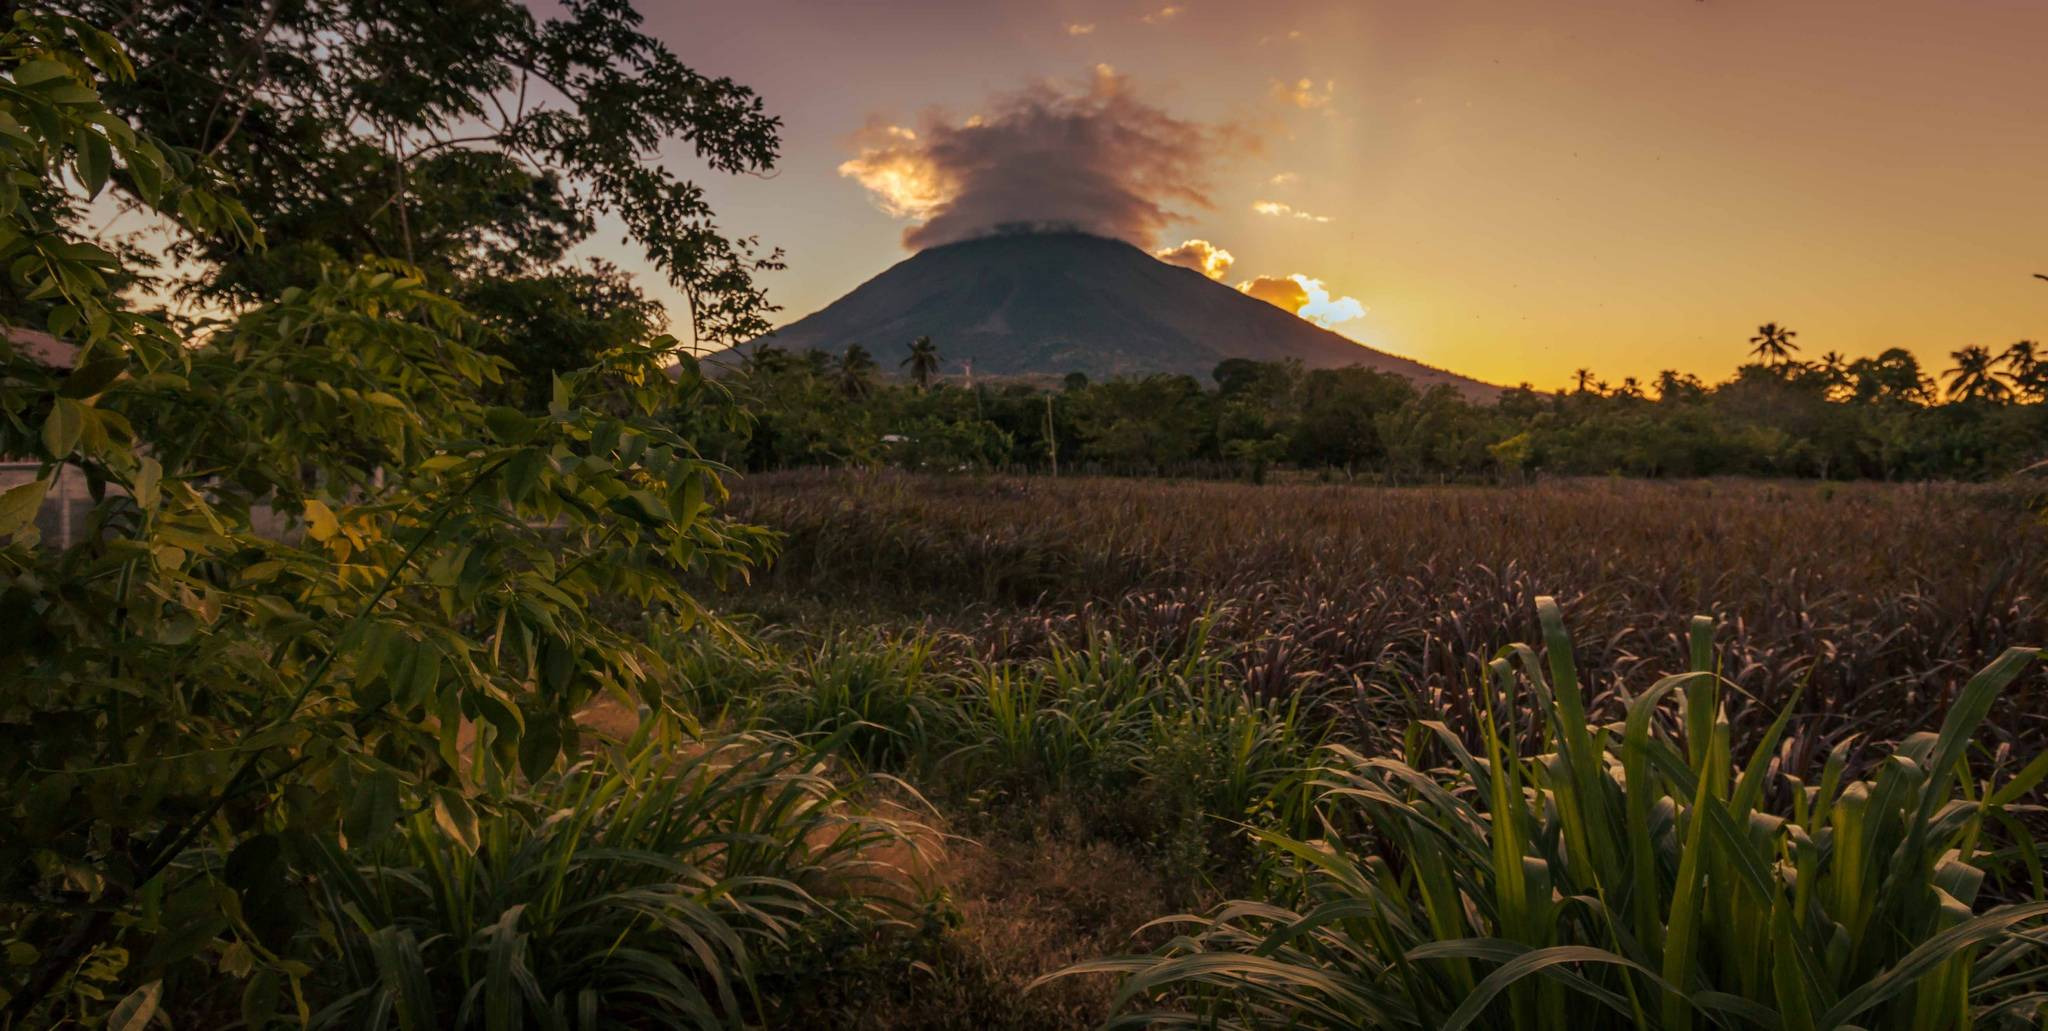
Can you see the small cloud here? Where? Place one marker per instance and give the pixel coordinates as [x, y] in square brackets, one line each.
[1304, 296]
[1278, 291]
[1292, 36]
[1077, 28]
[1200, 255]
[1323, 309]
[1279, 210]
[1303, 93]
[1164, 14]
[1284, 179]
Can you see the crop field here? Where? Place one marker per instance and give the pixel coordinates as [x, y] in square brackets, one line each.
[1117, 700]
[1879, 600]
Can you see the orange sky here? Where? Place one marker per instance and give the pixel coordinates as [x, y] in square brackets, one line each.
[1511, 188]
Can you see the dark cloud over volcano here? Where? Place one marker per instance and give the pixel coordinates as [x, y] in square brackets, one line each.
[1094, 159]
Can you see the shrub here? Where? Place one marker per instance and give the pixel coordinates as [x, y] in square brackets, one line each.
[1626, 875]
[314, 557]
[640, 890]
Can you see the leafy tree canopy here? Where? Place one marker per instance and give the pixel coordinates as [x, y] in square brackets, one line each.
[324, 583]
[471, 139]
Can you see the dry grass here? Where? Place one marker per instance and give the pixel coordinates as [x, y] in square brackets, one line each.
[1884, 598]
[1381, 605]
[1026, 902]
[1035, 904]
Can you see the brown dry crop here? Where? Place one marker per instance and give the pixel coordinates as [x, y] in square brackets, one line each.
[1882, 598]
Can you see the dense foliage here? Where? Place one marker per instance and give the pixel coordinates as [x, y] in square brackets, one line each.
[1490, 832]
[643, 891]
[1635, 874]
[479, 142]
[327, 592]
[1872, 418]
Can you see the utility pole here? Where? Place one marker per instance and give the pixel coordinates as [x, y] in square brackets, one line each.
[969, 364]
[1052, 445]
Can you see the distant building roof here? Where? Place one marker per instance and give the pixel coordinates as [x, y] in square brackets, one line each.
[41, 346]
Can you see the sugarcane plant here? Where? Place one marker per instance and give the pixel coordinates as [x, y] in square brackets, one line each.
[1573, 873]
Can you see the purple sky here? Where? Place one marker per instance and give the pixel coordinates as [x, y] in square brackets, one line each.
[1508, 188]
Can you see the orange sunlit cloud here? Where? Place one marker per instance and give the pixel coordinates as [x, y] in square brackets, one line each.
[1080, 28]
[897, 178]
[1305, 296]
[1278, 291]
[1200, 255]
[1166, 13]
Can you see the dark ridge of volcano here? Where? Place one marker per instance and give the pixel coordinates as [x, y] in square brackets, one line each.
[1053, 303]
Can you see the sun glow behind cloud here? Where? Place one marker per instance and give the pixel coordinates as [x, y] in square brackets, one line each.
[899, 182]
[1323, 309]
[1305, 296]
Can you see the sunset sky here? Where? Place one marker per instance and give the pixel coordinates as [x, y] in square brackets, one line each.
[1510, 189]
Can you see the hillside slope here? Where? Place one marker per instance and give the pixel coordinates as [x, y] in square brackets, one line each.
[1050, 304]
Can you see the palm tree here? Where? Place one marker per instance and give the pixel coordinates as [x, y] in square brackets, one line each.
[1584, 376]
[1833, 370]
[856, 368]
[768, 359]
[1630, 387]
[1774, 344]
[1975, 377]
[923, 361]
[1669, 385]
[2021, 358]
[2022, 363]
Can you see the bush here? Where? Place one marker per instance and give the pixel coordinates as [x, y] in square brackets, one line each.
[315, 561]
[641, 890]
[1627, 875]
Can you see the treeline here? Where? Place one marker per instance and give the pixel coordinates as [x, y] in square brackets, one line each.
[1880, 417]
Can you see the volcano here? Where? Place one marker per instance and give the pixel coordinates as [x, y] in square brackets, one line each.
[1048, 304]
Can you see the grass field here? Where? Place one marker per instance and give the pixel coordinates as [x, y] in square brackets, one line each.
[1119, 700]
[1881, 599]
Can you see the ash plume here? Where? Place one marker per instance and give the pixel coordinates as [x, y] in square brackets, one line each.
[1094, 159]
